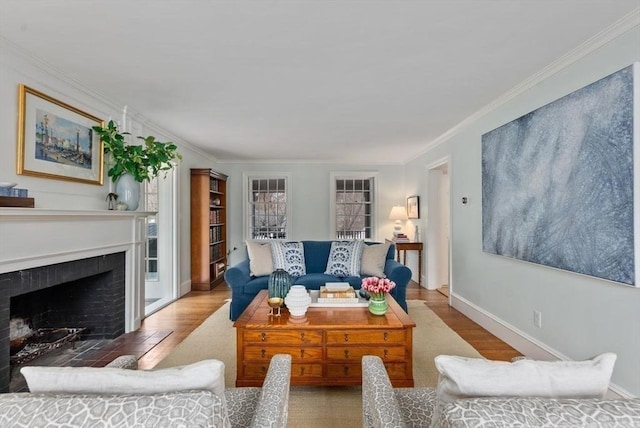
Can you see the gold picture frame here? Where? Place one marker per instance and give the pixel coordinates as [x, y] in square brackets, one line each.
[56, 140]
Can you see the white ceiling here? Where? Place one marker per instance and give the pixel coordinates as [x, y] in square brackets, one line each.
[337, 81]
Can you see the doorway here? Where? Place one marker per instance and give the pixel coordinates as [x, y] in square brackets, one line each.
[438, 226]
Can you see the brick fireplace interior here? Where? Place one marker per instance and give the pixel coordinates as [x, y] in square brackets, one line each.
[87, 293]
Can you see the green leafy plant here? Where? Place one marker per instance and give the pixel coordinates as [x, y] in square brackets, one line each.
[143, 162]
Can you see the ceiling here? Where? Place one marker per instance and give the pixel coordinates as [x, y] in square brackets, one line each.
[304, 81]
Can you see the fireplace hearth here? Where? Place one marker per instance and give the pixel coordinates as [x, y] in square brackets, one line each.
[86, 294]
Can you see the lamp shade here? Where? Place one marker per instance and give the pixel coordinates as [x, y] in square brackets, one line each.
[398, 212]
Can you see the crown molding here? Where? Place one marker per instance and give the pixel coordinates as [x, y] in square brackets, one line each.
[40, 64]
[308, 162]
[49, 69]
[625, 24]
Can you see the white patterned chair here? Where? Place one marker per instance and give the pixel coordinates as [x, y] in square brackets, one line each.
[386, 407]
[246, 407]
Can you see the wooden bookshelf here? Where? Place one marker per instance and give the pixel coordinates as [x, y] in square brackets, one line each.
[208, 228]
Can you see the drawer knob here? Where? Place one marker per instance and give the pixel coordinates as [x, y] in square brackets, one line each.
[264, 370]
[263, 353]
[346, 337]
[345, 370]
[302, 353]
[263, 336]
[302, 336]
[386, 336]
[346, 354]
[386, 353]
[301, 371]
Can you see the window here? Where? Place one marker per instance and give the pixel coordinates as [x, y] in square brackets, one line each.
[354, 207]
[267, 207]
[151, 246]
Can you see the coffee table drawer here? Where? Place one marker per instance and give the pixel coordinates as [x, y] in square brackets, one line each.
[255, 371]
[344, 370]
[355, 353]
[306, 370]
[365, 336]
[284, 337]
[259, 353]
[397, 370]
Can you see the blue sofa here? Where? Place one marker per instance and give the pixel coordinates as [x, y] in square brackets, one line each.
[244, 287]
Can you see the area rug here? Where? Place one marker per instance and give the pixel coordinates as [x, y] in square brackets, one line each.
[323, 406]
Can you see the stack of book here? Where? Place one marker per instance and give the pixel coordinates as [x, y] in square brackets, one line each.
[11, 196]
[13, 192]
[339, 292]
[401, 237]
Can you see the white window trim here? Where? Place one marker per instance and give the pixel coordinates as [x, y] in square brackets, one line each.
[246, 176]
[362, 175]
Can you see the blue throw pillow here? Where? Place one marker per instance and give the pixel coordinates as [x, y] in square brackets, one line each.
[344, 258]
[288, 256]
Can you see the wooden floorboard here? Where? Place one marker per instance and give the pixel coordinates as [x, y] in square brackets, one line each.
[488, 345]
[188, 312]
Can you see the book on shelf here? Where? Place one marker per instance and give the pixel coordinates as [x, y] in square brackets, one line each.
[349, 293]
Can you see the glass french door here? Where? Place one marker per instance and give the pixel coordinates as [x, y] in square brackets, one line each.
[160, 284]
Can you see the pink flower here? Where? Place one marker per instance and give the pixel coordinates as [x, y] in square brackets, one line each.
[377, 287]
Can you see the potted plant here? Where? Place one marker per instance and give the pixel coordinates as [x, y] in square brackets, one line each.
[131, 164]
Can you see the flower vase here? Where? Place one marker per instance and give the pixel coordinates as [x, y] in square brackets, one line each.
[128, 191]
[377, 305]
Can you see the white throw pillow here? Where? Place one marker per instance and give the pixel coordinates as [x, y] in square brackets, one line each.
[344, 258]
[289, 256]
[260, 260]
[206, 374]
[462, 377]
[374, 257]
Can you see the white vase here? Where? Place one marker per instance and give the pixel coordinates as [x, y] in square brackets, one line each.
[297, 301]
[128, 191]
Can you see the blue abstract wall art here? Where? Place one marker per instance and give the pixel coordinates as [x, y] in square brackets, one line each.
[558, 183]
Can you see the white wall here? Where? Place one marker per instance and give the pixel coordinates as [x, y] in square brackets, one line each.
[310, 198]
[581, 316]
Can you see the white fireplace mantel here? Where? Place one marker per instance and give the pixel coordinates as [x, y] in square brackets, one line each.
[32, 237]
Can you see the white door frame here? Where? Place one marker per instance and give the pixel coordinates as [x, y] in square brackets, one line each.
[437, 246]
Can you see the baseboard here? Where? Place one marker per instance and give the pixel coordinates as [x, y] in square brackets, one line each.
[185, 287]
[519, 340]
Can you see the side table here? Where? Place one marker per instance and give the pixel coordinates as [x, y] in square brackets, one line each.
[409, 246]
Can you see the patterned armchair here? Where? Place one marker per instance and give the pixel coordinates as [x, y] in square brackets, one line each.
[246, 407]
[385, 406]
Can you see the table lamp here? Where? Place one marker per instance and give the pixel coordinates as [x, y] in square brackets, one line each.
[399, 214]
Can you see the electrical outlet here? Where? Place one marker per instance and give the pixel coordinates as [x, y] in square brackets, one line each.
[537, 319]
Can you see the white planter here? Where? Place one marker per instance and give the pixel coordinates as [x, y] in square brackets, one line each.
[128, 191]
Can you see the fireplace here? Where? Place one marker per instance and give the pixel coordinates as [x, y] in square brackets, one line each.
[49, 246]
[87, 293]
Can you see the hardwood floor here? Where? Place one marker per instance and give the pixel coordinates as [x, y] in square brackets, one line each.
[488, 345]
[187, 313]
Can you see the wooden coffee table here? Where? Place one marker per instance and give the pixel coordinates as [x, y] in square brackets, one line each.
[326, 346]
